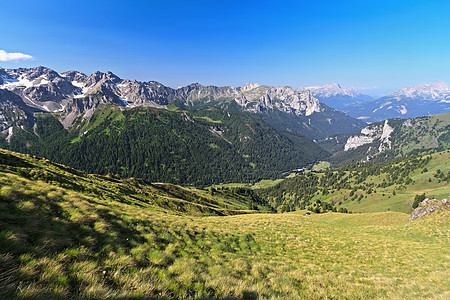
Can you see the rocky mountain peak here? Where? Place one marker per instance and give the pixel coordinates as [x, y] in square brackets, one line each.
[100, 77]
[429, 91]
[38, 72]
[249, 86]
[192, 86]
[75, 76]
[440, 84]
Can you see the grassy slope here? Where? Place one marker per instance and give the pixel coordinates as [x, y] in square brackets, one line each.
[385, 200]
[382, 198]
[23, 173]
[425, 132]
[85, 236]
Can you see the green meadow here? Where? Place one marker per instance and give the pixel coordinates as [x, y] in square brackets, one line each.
[68, 234]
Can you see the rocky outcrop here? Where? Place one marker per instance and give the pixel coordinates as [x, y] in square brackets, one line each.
[429, 206]
[378, 132]
[394, 135]
[13, 112]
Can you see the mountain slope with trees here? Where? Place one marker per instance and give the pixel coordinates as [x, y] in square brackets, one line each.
[185, 147]
[390, 139]
[366, 187]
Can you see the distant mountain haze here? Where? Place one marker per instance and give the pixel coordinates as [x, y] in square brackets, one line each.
[408, 102]
[337, 96]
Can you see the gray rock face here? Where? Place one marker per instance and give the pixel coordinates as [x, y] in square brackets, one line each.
[13, 112]
[75, 77]
[150, 93]
[40, 87]
[429, 206]
[379, 132]
[396, 136]
[5, 77]
[250, 98]
[287, 100]
[196, 94]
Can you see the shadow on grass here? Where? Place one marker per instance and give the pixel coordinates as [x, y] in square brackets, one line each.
[43, 233]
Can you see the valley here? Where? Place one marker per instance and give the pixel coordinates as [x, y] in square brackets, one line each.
[198, 147]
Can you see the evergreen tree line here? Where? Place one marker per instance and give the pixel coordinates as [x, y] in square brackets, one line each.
[197, 147]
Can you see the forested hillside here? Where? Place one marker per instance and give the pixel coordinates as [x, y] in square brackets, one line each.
[366, 187]
[390, 139]
[184, 147]
[27, 177]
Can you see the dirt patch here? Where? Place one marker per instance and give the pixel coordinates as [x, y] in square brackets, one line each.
[429, 190]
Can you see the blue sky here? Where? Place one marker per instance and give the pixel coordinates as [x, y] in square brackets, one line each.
[383, 44]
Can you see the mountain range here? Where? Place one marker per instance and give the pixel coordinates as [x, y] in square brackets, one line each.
[128, 231]
[408, 102]
[73, 94]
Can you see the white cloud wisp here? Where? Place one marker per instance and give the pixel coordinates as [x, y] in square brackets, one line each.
[12, 56]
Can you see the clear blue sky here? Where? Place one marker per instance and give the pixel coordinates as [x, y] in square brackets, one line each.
[387, 44]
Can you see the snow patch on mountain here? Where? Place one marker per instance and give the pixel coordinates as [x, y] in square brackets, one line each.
[73, 94]
[408, 102]
[77, 84]
[21, 82]
[403, 110]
